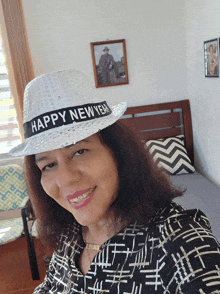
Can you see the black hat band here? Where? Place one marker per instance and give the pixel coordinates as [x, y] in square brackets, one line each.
[65, 116]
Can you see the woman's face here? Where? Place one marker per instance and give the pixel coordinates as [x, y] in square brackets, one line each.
[82, 178]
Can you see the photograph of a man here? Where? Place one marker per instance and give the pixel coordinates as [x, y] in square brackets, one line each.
[109, 63]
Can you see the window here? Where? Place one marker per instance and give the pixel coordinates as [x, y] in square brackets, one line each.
[9, 132]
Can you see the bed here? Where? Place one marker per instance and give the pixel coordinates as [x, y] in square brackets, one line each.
[171, 121]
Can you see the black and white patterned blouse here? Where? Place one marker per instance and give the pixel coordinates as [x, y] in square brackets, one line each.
[177, 253]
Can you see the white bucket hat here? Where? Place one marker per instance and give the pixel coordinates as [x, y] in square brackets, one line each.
[60, 109]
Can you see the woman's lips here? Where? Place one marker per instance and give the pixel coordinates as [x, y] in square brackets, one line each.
[81, 198]
[77, 194]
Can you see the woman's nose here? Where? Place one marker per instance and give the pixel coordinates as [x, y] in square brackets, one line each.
[67, 174]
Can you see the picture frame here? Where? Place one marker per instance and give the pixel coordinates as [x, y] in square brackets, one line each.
[109, 60]
[211, 58]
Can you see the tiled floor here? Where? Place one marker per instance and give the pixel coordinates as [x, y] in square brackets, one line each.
[15, 274]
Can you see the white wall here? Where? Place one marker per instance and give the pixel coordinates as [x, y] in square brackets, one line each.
[202, 24]
[60, 32]
[164, 50]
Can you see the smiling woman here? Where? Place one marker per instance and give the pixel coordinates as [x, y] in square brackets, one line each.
[102, 204]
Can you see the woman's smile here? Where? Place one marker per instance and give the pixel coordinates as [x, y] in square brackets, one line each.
[85, 196]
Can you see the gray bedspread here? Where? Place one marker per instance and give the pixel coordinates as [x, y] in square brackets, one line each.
[202, 194]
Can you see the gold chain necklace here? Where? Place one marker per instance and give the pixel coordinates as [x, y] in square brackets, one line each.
[90, 246]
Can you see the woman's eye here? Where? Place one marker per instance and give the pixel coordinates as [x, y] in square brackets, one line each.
[48, 167]
[80, 152]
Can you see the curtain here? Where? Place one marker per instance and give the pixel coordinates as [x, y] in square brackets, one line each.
[19, 63]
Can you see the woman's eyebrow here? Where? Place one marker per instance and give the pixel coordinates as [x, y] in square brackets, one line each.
[37, 160]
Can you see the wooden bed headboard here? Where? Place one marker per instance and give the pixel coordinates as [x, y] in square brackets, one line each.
[162, 120]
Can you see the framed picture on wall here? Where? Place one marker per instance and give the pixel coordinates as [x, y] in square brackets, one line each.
[211, 54]
[109, 63]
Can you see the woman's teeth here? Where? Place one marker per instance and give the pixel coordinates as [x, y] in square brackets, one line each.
[82, 197]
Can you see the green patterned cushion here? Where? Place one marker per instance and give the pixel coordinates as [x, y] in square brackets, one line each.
[10, 230]
[12, 187]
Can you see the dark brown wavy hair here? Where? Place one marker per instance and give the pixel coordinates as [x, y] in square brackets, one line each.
[143, 187]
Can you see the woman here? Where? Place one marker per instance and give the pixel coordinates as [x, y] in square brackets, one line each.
[101, 203]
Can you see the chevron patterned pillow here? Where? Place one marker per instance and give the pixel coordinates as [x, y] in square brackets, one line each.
[170, 154]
